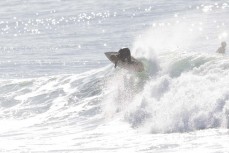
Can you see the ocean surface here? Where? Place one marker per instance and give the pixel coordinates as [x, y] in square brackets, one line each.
[59, 93]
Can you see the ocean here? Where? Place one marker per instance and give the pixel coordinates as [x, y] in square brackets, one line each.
[59, 93]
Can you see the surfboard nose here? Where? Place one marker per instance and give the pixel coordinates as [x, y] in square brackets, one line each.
[107, 55]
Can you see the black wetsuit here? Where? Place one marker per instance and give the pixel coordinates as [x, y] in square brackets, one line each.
[124, 54]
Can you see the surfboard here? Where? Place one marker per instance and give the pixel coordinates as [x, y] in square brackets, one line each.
[135, 65]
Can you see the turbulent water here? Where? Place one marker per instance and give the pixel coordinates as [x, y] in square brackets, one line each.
[59, 93]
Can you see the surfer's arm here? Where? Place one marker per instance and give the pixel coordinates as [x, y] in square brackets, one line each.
[116, 63]
[116, 60]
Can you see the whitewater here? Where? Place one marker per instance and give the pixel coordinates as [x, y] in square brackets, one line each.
[59, 92]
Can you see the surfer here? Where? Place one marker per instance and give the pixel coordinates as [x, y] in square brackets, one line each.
[123, 55]
[123, 59]
[222, 49]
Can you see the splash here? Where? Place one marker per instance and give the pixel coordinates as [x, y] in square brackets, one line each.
[195, 98]
[183, 91]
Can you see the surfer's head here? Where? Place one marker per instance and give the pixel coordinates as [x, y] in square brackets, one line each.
[223, 44]
[125, 49]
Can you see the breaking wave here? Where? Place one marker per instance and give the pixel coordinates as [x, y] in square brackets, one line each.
[178, 92]
[188, 92]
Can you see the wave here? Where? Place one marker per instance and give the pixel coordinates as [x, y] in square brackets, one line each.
[178, 92]
[51, 100]
[188, 92]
